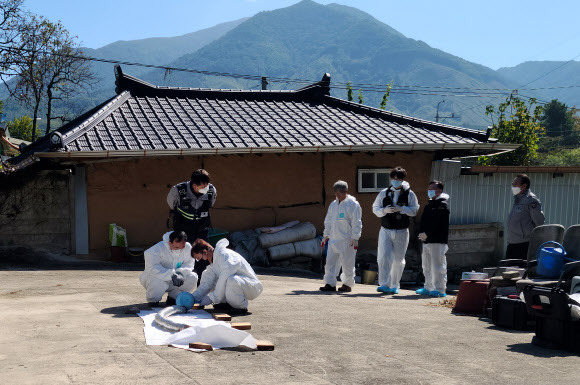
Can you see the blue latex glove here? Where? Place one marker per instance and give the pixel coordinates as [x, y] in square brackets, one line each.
[177, 279]
[205, 301]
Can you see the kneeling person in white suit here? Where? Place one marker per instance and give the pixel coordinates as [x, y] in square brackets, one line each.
[229, 281]
[168, 269]
[342, 230]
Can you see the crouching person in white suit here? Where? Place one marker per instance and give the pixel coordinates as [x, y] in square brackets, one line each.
[168, 269]
[229, 282]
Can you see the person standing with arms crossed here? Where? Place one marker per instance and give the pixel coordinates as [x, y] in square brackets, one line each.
[394, 205]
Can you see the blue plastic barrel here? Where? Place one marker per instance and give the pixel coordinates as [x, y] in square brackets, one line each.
[551, 260]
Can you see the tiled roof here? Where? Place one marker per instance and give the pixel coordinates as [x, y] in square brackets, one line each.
[143, 117]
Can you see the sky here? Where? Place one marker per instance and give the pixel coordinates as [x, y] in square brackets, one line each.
[495, 33]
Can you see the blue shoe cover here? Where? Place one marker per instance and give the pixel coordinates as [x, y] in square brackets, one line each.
[422, 291]
[436, 293]
[383, 289]
[394, 291]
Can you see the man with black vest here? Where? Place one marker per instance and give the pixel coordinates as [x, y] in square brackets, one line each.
[190, 203]
[394, 205]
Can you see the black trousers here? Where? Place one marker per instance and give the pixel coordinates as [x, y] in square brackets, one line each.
[202, 263]
[517, 251]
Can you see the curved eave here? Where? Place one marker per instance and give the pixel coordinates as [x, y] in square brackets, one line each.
[481, 148]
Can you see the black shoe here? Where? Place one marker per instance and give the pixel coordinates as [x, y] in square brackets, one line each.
[170, 301]
[345, 288]
[235, 311]
[224, 306]
[153, 304]
[327, 287]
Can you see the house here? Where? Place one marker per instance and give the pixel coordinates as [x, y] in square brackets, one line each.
[273, 156]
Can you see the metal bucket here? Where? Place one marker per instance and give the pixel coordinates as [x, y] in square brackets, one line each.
[369, 277]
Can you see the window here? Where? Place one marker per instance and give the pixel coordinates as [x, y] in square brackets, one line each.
[373, 179]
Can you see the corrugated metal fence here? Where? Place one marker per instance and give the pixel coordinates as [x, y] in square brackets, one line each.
[488, 198]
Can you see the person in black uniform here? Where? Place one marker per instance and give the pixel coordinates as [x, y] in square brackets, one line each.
[190, 203]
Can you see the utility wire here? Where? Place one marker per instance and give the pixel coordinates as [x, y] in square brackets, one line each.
[369, 87]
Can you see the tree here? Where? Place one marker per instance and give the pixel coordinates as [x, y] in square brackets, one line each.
[21, 128]
[11, 17]
[349, 91]
[386, 96]
[47, 66]
[558, 119]
[360, 96]
[522, 126]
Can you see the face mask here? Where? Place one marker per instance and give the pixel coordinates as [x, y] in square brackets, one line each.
[431, 193]
[516, 190]
[204, 190]
[396, 183]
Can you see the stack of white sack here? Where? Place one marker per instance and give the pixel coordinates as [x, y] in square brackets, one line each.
[297, 243]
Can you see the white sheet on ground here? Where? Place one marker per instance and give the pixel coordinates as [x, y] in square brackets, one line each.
[203, 328]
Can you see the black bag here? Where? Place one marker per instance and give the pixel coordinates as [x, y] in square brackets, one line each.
[510, 313]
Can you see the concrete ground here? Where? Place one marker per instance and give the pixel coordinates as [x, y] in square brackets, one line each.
[69, 326]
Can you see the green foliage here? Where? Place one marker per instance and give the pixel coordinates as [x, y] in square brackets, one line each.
[558, 119]
[360, 97]
[386, 96]
[516, 123]
[21, 128]
[349, 91]
[570, 157]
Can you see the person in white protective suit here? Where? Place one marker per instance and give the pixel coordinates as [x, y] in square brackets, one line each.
[395, 206]
[229, 281]
[168, 268]
[435, 233]
[342, 230]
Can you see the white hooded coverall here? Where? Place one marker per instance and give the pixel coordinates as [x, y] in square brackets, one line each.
[342, 225]
[393, 243]
[160, 264]
[229, 278]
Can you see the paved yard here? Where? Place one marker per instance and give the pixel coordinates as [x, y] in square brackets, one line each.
[68, 326]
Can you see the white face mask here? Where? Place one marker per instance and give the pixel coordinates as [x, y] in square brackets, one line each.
[204, 190]
[516, 190]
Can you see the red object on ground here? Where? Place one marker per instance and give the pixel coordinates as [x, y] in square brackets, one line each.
[473, 297]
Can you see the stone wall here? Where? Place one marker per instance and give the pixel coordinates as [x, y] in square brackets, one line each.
[35, 210]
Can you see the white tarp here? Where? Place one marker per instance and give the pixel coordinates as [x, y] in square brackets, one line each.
[203, 328]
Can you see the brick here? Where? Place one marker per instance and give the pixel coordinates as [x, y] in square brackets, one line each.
[264, 345]
[241, 325]
[200, 345]
[222, 317]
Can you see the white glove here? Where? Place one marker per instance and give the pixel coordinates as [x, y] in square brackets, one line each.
[388, 210]
[423, 237]
[397, 209]
[205, 301]
[324, 240]
[354, 243]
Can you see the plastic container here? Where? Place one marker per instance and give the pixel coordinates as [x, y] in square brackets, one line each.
[368, 277]
[215, 235]
[473, 275]
[551, 260]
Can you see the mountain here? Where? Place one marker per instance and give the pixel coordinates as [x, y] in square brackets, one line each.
[308, 39]
[549, 74]
[156, 51]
